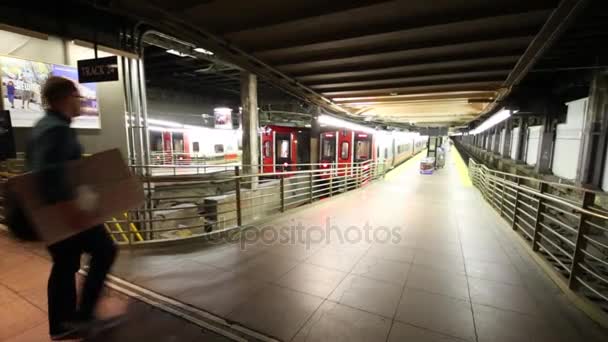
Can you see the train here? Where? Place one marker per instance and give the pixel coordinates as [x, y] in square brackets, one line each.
[286, 148]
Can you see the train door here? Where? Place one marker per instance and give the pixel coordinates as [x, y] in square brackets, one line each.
[345, 150]
[267, 150]
[283, 150]
[168, 148]
[363, 147]
[327, 155]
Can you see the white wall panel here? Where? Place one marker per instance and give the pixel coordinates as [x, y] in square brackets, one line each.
[568, 140]
[533, 144]
[514, 142]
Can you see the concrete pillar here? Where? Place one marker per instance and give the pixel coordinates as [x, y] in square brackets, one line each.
[522, 139]
[593, 149]
[249, 102]
[315, 133]
[497, 131]
[545, 148]
[506, 148]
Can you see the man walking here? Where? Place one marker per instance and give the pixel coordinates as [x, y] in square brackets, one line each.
[51, 145]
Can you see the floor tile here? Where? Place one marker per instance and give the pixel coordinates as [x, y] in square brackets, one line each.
[371, 295]
[312, 279]
[276, 311]
[21, 279]
[401, 332]
[502, 296]
[436, 281]
[182, 277]
[440, 261]
[221, 292]
[392, 252]
[18, 316]
[382, 269]
[495, 325]
[503, 273]
[438, 313]
[334, 322]
[39, 333]
[338, 260]
[268, 267]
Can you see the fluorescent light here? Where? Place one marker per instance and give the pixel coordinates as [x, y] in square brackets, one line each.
[175, 52]
[203, 51]
[495, 119]
[165, 123]
[164, 129]
[333, 121]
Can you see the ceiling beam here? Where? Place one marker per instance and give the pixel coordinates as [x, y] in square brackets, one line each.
[468, 86]
[463, 76]
[516, 24]
[492, 47]
[461, 95]
[415, 69]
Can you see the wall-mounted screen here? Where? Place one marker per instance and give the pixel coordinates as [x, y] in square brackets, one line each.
[22, 81]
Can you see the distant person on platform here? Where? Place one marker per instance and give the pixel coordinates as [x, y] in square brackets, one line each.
[10, 92]
[51, 145]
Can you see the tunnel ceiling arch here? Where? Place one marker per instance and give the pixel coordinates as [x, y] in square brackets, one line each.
[440, 62]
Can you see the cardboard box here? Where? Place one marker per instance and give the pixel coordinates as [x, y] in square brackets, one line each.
[104, 174]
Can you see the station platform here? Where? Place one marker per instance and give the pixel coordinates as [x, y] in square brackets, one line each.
[409, 258]
[24, 271]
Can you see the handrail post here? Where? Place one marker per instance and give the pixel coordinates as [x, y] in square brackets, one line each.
[237, 181]
[282, 189]
[310, 184]
[542, 188]
[331, 185]
[578, 257]
[502, 194]
[515, 204]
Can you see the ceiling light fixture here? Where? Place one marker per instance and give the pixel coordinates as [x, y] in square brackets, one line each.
[204, 51]
[495, 119]
[333, 121]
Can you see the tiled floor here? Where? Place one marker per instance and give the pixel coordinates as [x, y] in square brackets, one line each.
[23, 278]
[411, 258]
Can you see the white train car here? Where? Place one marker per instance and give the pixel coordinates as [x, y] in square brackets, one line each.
[393, 148]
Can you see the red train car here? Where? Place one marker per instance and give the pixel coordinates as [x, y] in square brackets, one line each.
[341, 148]
[287, 148]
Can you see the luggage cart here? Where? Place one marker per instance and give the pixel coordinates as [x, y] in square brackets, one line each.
[427, 165]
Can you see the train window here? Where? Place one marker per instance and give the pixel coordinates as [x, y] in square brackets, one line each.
[284, 149]
[266, 149]
[328, 149]
[362, 150]
[195, 146]
[385, 153]
[219, 148]
[344, 150]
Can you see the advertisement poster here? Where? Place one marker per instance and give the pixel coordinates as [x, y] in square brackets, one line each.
[22, 82]
[223, 117]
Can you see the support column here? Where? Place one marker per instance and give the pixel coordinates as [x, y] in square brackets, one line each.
[545, 148]
[522, 140]
[249, 102]
[497, 132]
[315, 133]
[593, 150]
[506, 148]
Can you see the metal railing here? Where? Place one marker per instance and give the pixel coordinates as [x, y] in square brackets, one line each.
[563, 223]
[208, 203]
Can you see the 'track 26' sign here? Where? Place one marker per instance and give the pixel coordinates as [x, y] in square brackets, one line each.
[98, 70]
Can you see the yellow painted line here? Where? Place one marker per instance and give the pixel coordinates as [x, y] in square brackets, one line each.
[461, 167]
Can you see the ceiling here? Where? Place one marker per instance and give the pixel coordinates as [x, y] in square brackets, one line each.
[439, 62]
